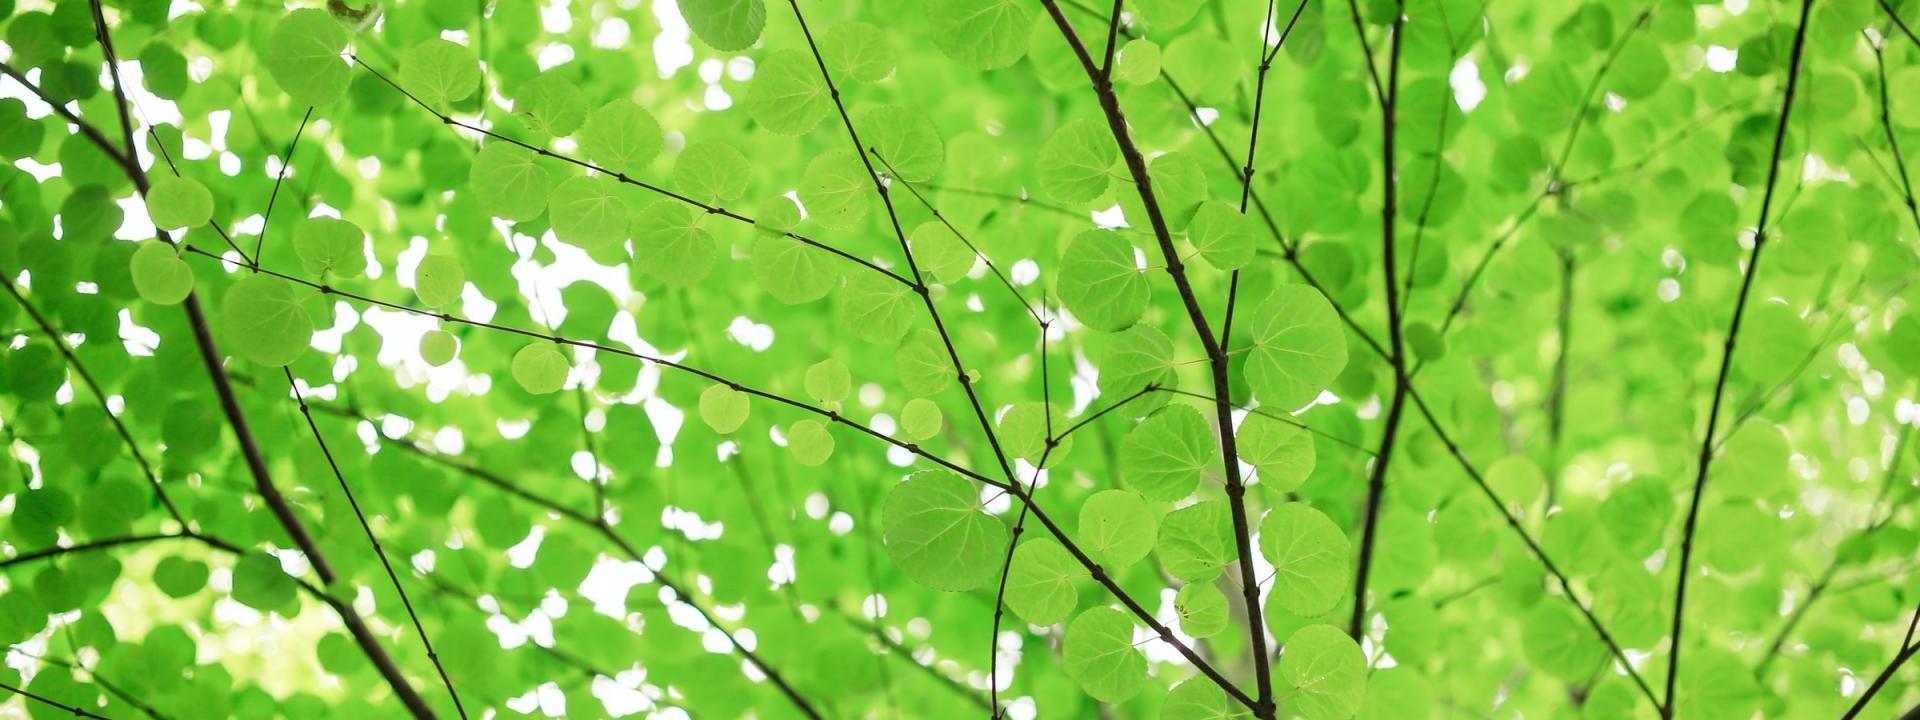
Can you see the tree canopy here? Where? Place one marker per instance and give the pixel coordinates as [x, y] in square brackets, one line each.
[1023, 359]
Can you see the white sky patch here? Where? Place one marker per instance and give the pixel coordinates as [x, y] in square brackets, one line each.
[612, 33]
[1722, 60]
[1468, 91]
[1110, 218]
[671, 49]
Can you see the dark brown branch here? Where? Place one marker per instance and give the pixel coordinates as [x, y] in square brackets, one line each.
[1136, 162]
[830, 415]
[87, 379]
[286, 164]
[1907, 650]
[92, 545]
[599, 526]
[1726, 361]
[625, 179]
[1533, 546]
[378, 549]
[50, 702]
[1397, 354]
[210, 356]
[1253, 142]
[937, 215]
[1894, 15]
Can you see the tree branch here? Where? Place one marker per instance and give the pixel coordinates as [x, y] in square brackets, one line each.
[378, 549]
[625, 179]
[1907, 650]
[1216, 356]
[1726, 360]
[87, 379]
[1397, 357]
[1533, 546]
[210, 356]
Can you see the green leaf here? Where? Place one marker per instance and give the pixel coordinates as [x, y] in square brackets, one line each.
[439, 280]
[438, 347]
[440, 72]
[1198, 698]
[1310, 558]
[1139, 62]
[1195, 542]
[1098, 654]
[1040, 582]
[1101, 282]
[1135, 358]
[1030, 431]
[920, 419]
[1283, 453]
[1165, 456]
[829, 381]
[670, 246]
[259, 583]
[810, 442]
[179, 202]
[858, 50]
[20, 136]
[923, 364]
[876, 309]
[1202, 609]
[621, 136]
[983, 34]
[788, 96]
[1559, 643]
[264, 322]
[835, 189]
[1398, 692]
[791, 271]
[711, 171]
[938, 533]
[1179, 184]
[541, 368]
[726, 25]
[905, 139]
[303, 53]
[1222, 235]
[1117, 528]
[1297, 347]
[1075, 164]
[179, 577]
[551, 105]
[588, 213]
[942, 255]
[1516, 480]
[509, 182]
[159, 275]
[723, 408]
[1323, 672]
[330, 247]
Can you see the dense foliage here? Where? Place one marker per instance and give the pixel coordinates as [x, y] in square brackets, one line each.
[949, 358]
